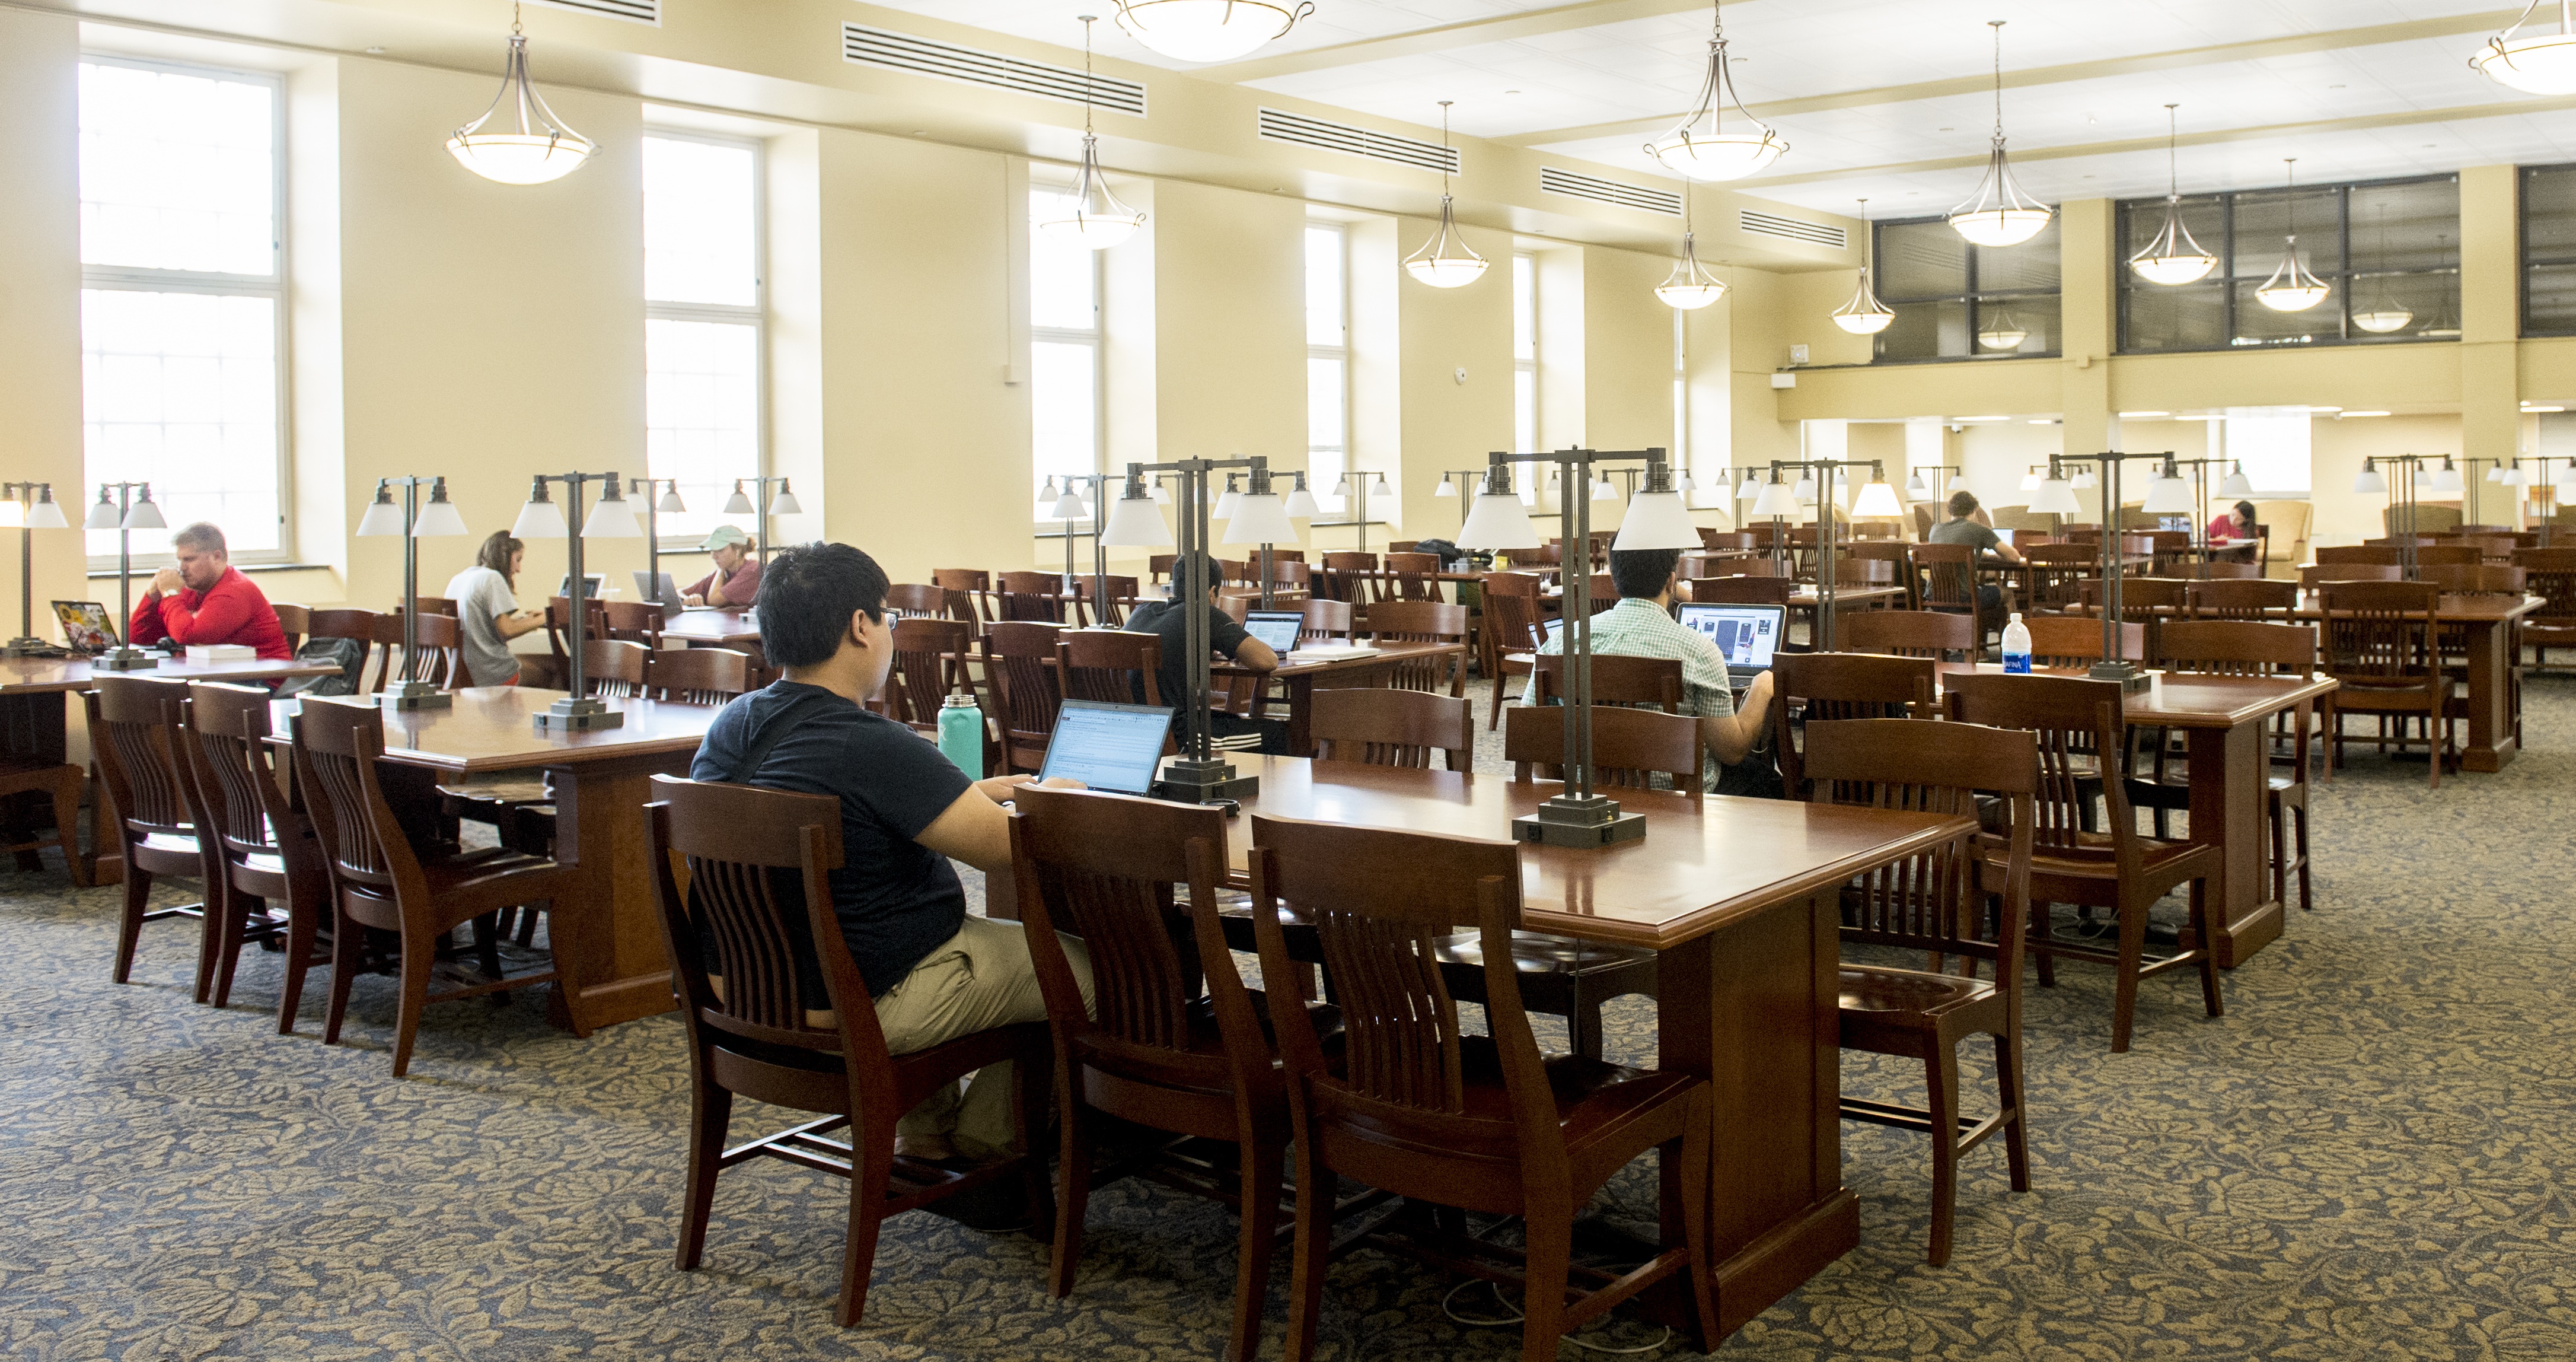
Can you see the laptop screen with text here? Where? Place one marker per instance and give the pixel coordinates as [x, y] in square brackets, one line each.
[1746, 634]
[1278, 628]
[1106, 746]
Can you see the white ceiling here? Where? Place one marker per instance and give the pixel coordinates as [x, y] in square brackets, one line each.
[2362, 110]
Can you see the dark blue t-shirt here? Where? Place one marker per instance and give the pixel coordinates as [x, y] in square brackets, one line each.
[897, 900]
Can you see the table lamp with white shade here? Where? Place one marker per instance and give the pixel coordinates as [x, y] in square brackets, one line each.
[414, 522]
[611, 517]
[132, 510]
[27, 507]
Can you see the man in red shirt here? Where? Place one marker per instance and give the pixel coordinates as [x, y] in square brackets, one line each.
[203, 600]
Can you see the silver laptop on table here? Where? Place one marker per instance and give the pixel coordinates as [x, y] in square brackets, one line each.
[1108, 747]
[1278, 628]
[659, 587]
[1746, 635]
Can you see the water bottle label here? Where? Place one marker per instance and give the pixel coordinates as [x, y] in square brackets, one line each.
[2017, 663]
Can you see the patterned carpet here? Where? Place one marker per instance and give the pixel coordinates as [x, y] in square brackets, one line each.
[2368, 1157]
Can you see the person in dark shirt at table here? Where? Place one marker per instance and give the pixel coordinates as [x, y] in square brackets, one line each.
[1963, 527]
[935, 971]
[1226, 639]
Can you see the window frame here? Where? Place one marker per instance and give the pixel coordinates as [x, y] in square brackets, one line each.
[1093, 338]
[1525, 437]
[2340, 279]
[1326, 500]
[755, 313]
[2524, 261]
[271, 286]
[1974, 299]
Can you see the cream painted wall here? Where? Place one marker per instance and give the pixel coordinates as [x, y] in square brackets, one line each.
[1229, 342]
[40, 364]
[1443, 334]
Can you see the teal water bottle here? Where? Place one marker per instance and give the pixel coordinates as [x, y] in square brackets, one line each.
[961, 734]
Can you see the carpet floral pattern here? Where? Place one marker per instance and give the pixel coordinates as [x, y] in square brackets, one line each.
[2370, 1156]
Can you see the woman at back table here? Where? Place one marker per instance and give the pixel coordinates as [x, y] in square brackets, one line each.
[735, 583]
[2236, 522]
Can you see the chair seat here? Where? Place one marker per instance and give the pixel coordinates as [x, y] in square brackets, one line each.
[1541, 953]
[1899, 994]
[174, 843]
[1591, 1095]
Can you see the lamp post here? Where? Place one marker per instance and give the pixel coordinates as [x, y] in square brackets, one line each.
[2469, 484]
[1937, 487]
[413, 522]
[1356, 486]
[2057, 496]
[642, 489]
[1198, 775]
[784, 503]
[132, 510]
[1657, 519]
[1876, 500]
[2560, 490]
[2395, 475]
[1465, 488]
[610, 518]
[1070, 507]
[29, 506]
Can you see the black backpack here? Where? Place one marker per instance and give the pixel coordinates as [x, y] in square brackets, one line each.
[349, 654]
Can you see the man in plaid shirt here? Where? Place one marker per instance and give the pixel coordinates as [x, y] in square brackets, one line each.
[1642, 625]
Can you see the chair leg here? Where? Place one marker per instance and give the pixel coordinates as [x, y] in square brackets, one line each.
[1941, 1107]
[2008, 1090]
[419, 957]
[1548, 1242]
[238, 907]
[219, 908]
[872, 1166]
[1494, 717]
[138, 897]
[2124, 987]
[1310, 1254]
[67, 827]
[2208, 950]
[1261, 1165]
[711, 1112]
[2040, 954]
[2299, 822]
[348, 945]
[302, 925]
[1073, 1192]
[1694, 1168]
[1583, 1023]
[2280, 850]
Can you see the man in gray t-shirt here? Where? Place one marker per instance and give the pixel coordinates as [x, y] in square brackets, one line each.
[1963, 527]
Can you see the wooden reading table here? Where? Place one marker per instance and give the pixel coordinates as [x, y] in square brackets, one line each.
[2487, 623]
[710, 628]
[1739, 901]
[1371, 669]
[608, 941]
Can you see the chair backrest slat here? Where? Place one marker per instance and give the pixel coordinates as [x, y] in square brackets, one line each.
[1935, 900]
[1630, 747]
[701, 676]
[1388, 726]
[2077, 720]
[1906, 633]
[130, 723]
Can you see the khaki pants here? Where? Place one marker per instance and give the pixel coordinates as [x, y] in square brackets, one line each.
[976, 980]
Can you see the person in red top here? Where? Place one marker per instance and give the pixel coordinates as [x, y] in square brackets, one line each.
[203, 600]
[2236, 522]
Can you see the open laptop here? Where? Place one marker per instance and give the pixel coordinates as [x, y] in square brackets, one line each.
[590, 582]
[87, 627]
[1278, 628]
[1108, 747]
[655, 587]
[1746, 634]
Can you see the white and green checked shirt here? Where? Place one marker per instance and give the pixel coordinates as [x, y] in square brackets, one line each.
[1637, 627]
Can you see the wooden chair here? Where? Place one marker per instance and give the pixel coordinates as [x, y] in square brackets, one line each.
[1946, 581]
[1153, 1047]
[2354, 555]
[1327, 621]
[2076, 640]
[2314, 575]
[2474, 578]
[2219, 569]
[1479, 1123]
[2118, 870]
[270, 861]
[1655, 681]
[633, 621]
[1396, 621]
[1112, 613]
[435, 605]
[1716, 541]
[354, 624]
[2395, 541]
[2241, 648]
[2166, 549]
[1935, 902]
[1352, 578]
[1385, 726]
[2433, 554]
[379, 881]
[2257, 601]
[60, 784]
[972, 589]
[613, 668]
[2136, 593]
[1739, 567]
[1111, 666]
[1032, 596]
[1511, 637]
[1899, 560]
[700, 676]
[920, 600]
[1908, 633]
[2380, 643]
[1630, 747]
[2551, 575]
[1742, 590]
[1838, 686]
[931, 657]
[132, 724]
[2494, 547]
[442, 659]
[1019, 663]
[294, 620]
[2057, 575]
[761, 1034]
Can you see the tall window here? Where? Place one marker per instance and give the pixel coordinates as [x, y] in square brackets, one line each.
[1957, 301]
[1064, 349]
[2549, 251]
[702, 325]
[2388, 250]
[1525, 371]
[2273, 448]
[182, 299]
[1328, 364]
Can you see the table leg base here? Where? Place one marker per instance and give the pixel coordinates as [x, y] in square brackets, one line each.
[2488, 760]
[618, 1000]
[2240, 937]
[1762, 1273]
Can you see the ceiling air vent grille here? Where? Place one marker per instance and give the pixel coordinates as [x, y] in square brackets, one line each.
[1555, 181]
[634, 11]
[1791, 229]
[1278, 125]
[947, 61]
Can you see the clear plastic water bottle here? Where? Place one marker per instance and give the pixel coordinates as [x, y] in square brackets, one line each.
[961, 733]
[2016, 652]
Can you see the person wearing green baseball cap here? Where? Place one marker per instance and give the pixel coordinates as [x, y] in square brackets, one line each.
[736, 580]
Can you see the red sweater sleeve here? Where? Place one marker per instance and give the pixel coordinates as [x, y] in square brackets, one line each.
[145, 626]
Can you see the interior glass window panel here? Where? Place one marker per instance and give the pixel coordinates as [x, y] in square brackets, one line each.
[2257, 325]
[1524, 414]
[2035, 317]
[2262, 220]
[2549, 213]
[1063, 275]
[2031, 265]
[2409, 226]
[1063, 393]
[701, 417]
[177, 171]
[180, 390]
[2550, 303]
[2193, 317]
[1921, 260]
[1323, 286]
[1935, 330]
[701, 222]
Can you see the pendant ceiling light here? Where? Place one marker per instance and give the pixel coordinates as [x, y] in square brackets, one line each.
[2291, 288]
[2002, 331]
[2173, 257]
[1697, 148]
[2542, 64]
[1207, 30]
[2441, 325]
[1864, 314]
[1999, 215]
[1689, 287]
[1446, 260]
[537, 147]
[1092, 216]
[2382, 314]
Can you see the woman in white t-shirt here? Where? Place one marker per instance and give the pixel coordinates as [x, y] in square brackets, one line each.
[487, 610]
